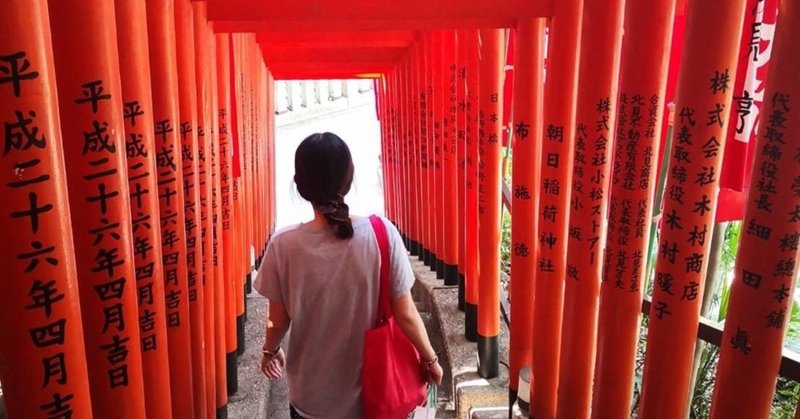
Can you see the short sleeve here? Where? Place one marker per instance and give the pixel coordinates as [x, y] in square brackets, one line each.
[267, 281]
[402, 276]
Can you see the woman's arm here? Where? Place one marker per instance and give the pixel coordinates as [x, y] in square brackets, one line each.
[409, 321]
[277, 325]
[278, 322]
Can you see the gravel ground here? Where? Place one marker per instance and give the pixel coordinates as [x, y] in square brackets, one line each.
[249, 402]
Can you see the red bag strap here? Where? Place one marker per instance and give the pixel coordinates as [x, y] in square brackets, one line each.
[384, 308]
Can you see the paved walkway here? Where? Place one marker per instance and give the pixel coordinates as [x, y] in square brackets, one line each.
[250, 401]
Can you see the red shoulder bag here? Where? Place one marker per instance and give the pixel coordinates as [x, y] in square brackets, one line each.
[392, 384]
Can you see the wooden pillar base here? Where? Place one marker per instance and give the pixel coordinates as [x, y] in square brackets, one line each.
[244, 315]
[414, 248]
[231, 360]
[248, 288]
[471, 322]
[240, 344]
[450, 274]
[488, 357]
[461, 292]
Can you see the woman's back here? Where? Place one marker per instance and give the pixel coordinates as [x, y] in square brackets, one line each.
[329, 288]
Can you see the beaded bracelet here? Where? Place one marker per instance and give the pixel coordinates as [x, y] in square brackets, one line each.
[429, 364]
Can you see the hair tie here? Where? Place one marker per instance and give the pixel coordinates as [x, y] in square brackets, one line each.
[332, 206]
[327, 207]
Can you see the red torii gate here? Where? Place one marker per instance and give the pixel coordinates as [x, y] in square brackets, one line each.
[356, 42]
[359, 39]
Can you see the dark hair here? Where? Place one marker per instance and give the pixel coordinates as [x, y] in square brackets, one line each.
[323, 172]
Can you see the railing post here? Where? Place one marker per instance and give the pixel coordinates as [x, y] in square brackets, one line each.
[704, 93]
[489, 200]
[44, 369]
[766, 266]
[527, 131]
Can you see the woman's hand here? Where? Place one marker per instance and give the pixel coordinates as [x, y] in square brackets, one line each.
[434, 373]
[272, 367]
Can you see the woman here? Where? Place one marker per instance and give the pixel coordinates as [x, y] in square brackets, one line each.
[322, 278]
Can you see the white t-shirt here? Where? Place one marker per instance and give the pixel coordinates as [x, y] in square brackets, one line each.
[330, 290]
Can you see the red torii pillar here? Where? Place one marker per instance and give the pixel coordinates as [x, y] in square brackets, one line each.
[489, 201]
[708, 62]
[767, 263]
[401, 99]
[164, 73]
[450, 158]
[90, 96]
[595, 119]
[435, 101]
[426, 156]
[431, 150]
[205, 133]
[228, 190]
[239, 187]
[42, 358]
[248, 198]
[527, 128]
[380, 99]
[220, 273]
[557, 147]
[412, 108]
[636, 150]
[415, 148]
[461, 155]
[471, 276]
[141, 150]
[187, 95]
[442, 152]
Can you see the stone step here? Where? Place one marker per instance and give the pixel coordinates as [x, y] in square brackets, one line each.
[497, 413]
[462, 387]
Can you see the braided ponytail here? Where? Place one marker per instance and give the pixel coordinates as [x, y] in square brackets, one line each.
[337, 213]
[323, 174]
